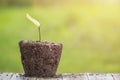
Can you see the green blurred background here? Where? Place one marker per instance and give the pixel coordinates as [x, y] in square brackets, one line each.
[88, 29]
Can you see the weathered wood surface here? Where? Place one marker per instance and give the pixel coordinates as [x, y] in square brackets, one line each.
[65, 76]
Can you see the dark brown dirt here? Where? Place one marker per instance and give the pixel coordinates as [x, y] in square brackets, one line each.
[40, 59]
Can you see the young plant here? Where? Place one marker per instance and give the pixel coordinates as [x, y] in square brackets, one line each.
[36, 23]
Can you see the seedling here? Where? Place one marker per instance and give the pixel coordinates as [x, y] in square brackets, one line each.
[40, 59]
[36, 23]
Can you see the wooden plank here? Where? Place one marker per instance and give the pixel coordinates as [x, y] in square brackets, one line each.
[5, 76]
[29, 78]
[74, 76]
[65, 76]
[17, 77]
[116, 76]
[22, 77]
[46, 79]
[102, 76]
[55, 78]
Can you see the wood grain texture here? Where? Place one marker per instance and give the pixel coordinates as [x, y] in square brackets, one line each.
[64, 76]
[116, 76]
[99, 76]
[6, 76]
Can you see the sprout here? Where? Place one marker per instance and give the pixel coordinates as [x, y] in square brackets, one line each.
[35, 22]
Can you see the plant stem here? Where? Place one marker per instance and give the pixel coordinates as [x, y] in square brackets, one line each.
[39, 34]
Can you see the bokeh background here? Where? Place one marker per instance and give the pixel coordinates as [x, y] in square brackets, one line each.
[88, 29]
